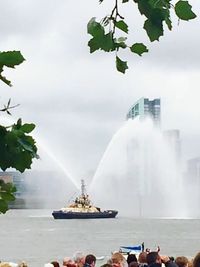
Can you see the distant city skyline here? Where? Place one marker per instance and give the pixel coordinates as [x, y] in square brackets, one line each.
[145, 107]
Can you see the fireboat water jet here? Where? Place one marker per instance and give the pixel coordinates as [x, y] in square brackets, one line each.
[139, 175]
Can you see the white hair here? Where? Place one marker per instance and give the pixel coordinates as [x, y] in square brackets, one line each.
[78, 256]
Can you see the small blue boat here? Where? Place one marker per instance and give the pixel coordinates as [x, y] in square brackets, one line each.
[132, 249]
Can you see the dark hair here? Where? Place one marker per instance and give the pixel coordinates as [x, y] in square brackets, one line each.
[131, 258]
[89, 259]
[55, 264]
[196, 261]
[152, 257]
[133, 264]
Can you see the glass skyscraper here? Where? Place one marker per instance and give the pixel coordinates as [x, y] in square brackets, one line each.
[145, 107]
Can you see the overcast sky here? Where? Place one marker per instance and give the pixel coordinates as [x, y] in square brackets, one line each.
[78, 100]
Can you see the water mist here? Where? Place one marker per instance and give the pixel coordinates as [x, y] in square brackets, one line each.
[139, 174]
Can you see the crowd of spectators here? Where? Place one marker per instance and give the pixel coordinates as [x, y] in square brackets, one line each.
[118, 259]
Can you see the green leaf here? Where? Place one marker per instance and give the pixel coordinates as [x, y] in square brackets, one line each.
[23, 161]
[27, 127]
[17, 149]
[103, 42]
[121, 65]
[95, 28]
[3, 78]
[138, 48]
[144, 7]
[157, 12]
[107, 43]
[184, 10]
[11, 58]
[26, 145]
[168, 20]
[100, 40]
[5, 186]
[19, 123]
[157, 16]
[3, 206]
[9, 187]
[11, 139]
[93, 45]
[7, 191]
[7, 196]
[121, 25]
[159, 4]
[153, 31]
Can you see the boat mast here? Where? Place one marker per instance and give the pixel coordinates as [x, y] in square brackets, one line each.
[83, 190]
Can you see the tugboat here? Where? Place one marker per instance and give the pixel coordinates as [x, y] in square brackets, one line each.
[82, 208]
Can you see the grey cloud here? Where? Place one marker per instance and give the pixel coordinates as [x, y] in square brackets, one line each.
[79, 100]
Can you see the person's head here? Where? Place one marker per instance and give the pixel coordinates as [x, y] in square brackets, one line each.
[131, 258]
[79, 258]
[55, 264]
[90, 260]
[153, 257]
[68, 262]
[182, 261]
[118, 259]
[196, 261]
[142, 258]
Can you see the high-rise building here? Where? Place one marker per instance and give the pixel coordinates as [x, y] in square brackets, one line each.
[145, 107]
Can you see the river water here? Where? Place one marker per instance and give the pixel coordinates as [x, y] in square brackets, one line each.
[34, 236]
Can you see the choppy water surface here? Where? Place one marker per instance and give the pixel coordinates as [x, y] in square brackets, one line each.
[34, 236]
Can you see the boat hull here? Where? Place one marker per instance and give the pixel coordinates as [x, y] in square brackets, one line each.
[84, 215]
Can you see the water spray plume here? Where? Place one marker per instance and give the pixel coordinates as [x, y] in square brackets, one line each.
[57, 162]
[139, 173]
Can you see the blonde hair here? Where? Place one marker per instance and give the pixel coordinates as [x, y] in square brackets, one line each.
[117, 257]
